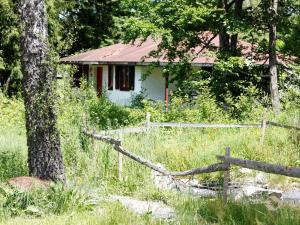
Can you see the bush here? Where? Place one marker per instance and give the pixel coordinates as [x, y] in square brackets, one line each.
[13, 164]
[107, 115]
[137, 100]
[12, 111]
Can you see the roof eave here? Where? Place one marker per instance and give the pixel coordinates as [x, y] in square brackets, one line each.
[128, 63]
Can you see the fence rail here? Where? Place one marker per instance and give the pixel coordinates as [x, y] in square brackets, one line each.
[227, 161]
[282, 125]
[262, 166]
[129, 130]
[203, 125]
[148, 124]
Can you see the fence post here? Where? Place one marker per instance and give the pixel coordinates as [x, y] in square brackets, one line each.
[93, 140]
[263, 127]
[148, 116]
[226, 177]
[120, 157]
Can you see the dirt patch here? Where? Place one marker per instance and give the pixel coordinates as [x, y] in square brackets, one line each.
[28, 183]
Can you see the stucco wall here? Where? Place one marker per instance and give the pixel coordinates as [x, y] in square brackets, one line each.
[124, 97]
[154, 84]
[117, 96]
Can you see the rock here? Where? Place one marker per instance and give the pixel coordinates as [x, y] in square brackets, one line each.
[28, 183]
[202, 192]
[157, 209]
[291, 196]
[245, 170]
[161, 181]
[253, 191]
[260, 178]
[295, 185]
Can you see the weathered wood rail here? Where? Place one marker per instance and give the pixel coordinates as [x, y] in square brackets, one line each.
[129, 130]
[117, 146]
[262, 166]
[282, 125]
[227, 162]
[203, 125]
[148, 124]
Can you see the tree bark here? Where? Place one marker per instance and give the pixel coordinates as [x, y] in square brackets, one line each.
[43, 141]
[224, 37]
[273, 59]
[238, 7]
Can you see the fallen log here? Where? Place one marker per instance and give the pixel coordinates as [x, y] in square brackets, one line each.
[117, 146]
[208, 169]
[262, 166]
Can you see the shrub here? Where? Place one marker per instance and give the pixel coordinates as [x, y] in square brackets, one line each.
[137, 100]
[55, 200]
[12, 111]
[107, 114]
[13, 164]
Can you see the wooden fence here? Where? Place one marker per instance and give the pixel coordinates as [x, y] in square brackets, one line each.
[224, 165]
[148, 125]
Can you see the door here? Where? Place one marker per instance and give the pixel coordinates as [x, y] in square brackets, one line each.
[99, 81]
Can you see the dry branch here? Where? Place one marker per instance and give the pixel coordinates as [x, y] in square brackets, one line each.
[116, 145]
[208, 169]
[106, 139]
[262, 166]
[141, 160]
[145, 162]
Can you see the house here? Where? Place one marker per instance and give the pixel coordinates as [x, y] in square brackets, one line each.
[118, 69]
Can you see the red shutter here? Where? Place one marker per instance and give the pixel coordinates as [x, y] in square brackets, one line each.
[99, 81]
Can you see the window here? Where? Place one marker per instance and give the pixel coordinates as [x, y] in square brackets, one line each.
[110, 77]
[125, 78]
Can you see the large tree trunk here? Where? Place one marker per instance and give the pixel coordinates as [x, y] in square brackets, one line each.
[273, 59]
[44, 152]
[224, 38]
[238, 7]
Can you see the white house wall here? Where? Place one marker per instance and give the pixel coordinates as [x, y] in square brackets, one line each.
[124, 97]
[153, 85]
[116, 96]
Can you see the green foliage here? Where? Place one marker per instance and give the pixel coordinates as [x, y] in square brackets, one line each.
[137, 100]
[9, 47]
[13, 164]
[92, 167]
[215, 212]
[107, 114]
[12, 110]
[91, 24]
[38, 202]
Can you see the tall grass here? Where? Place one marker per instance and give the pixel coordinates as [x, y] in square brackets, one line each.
[92, 170]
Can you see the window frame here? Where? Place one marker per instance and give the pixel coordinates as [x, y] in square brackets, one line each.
[110, 78]
[125, 77]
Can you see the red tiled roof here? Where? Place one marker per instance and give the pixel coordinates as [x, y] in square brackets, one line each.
[137, 53]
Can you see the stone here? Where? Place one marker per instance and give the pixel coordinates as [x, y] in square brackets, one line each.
[291, 196]
[245, 170]
[157, 209]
